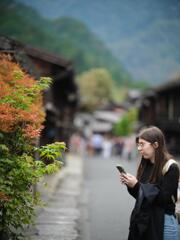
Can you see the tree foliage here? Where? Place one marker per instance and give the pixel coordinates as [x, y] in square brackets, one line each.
[95, 87]
[125, 125]
[20, 100]
[21, 118]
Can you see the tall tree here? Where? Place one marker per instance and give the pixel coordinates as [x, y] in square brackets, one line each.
[96, 87]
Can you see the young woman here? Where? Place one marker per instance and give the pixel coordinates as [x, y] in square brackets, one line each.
[153, 217]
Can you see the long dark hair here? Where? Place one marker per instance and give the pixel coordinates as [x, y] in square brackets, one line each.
[154, 134]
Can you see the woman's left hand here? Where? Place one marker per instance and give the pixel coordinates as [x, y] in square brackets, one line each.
[129, 180]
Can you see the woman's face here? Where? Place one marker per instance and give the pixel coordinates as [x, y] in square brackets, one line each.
[146, 149]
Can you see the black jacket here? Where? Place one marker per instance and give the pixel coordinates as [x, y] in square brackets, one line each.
[145, 214]
[152, 202]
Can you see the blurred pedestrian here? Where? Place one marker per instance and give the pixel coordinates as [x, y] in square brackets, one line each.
[117, 147]
[107, 147]
[128, 148]
[153, 217]
[97, 143]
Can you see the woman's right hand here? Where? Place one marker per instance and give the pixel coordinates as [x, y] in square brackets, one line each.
[128, 179]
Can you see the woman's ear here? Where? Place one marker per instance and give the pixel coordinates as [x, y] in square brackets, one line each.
[155, 145]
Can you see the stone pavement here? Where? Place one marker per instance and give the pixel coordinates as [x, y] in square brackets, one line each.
[59, 220]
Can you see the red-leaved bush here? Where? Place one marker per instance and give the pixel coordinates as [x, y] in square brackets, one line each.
[20, 99]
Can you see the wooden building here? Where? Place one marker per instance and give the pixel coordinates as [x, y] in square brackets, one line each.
[61, 99]
[161, 107]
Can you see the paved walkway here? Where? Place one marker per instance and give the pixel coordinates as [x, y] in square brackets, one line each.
[59, 219]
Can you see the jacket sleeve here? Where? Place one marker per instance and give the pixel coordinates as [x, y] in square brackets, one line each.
[169, 185]
[134, 191]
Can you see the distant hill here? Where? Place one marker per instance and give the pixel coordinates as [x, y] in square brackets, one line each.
[65, 36]
[143, 34]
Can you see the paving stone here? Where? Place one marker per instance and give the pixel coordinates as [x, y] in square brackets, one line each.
[61, 229]
[60, 217]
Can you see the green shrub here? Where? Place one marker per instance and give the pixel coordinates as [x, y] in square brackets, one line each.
[22, 164]
[125, 126]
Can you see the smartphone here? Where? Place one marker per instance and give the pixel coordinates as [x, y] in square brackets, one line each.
[121, 169]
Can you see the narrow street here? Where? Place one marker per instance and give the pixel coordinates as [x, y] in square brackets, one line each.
[106, 216]
[89, 203]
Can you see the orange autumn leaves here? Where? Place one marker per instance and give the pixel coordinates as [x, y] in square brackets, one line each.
[4, 197]
[20, 100]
